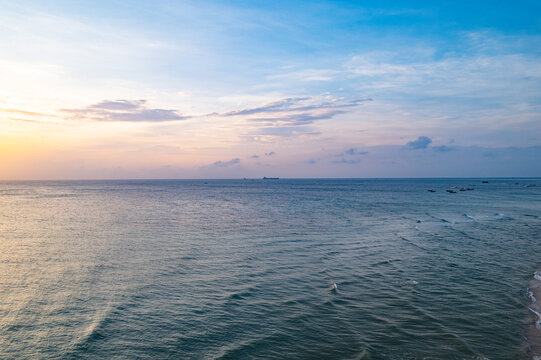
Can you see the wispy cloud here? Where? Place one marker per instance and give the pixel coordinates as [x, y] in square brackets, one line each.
[275, 106]
[271, 153]
[21, 112]
[20, 115]
[442, 148]
[347, 161]
[220, 163]
[299, 119]
[301, 110]
[283, 131]
[349, 156]
[27, 120]
[297, 111]
[422, 142]
[291, 116]
[353, 151]
[308, 75]
[123, 111]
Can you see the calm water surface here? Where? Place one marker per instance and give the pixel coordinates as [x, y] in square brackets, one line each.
[239, 269]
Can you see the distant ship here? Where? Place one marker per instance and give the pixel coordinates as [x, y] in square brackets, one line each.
[270, 178]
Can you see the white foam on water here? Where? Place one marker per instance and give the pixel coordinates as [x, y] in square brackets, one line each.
[499, 216]
[531, 296]
[536, 276]
[538, 321]
[470, 217]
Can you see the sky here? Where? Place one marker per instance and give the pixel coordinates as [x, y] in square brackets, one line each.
[233, 89]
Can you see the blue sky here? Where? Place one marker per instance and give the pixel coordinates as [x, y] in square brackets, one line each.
[170, 89]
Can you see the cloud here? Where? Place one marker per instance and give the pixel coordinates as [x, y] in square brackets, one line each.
[26, 120]
[118, 105]
[352, 151]
[123, 111]
[442, 148]
[282, 131]
[21, 112]
[266, 154]
[275, 106]
[290, 116]
[299, 119]
[234, 161]
[422, 142]
[26, 116]
[347, 161]
[349, 156]
[308, 75]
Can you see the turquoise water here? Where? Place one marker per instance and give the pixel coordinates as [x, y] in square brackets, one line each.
[234, 269]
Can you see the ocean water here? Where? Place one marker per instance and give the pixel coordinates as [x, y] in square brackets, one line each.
[269, 269]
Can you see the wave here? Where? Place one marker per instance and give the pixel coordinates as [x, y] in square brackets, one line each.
[538, 321]
[92, 332]
[385, 262]
[534, 330]
[531, 296]
[534, 216]
[412, 243]
[241, 294]
[499, 216]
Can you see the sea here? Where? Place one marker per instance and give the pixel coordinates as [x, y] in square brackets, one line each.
[270, 269]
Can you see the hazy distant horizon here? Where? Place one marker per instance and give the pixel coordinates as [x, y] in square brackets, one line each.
[476, 178]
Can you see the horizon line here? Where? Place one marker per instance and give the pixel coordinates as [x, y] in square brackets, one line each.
[279, 178]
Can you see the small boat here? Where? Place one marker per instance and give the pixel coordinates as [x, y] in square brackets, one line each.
[431, 190]
[451, 191]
